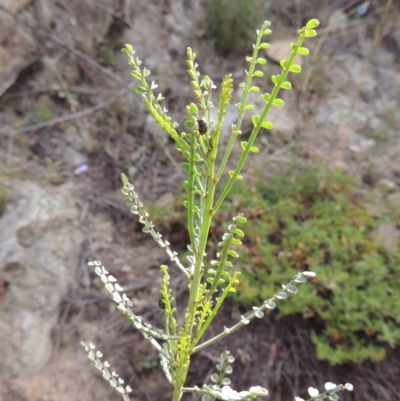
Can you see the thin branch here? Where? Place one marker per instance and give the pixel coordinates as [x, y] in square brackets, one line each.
[257, 311]
[72, 116]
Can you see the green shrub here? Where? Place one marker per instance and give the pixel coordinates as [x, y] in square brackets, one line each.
[105, 54]
[310, 220]
[42, 112]
[231, 23]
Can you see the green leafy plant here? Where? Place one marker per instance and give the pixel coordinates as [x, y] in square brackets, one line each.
[311, 219]
[105, 55]
[231, 23]
[42, 113]
[209, 283]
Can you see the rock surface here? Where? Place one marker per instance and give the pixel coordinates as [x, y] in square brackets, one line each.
[40, 245]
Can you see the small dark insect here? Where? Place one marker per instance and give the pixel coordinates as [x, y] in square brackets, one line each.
[202, 126]
[161, 303]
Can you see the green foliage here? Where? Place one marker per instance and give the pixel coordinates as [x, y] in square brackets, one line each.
[310, 220]
[105, 54]
[41, 114]
[231, 23]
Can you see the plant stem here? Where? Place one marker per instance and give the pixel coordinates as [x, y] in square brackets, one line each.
[258, 125]
[243, 101]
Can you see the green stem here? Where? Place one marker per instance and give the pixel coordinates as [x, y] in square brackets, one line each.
[257, 126]
[198, 253]
[243, 102]
[190, 202]
[212, 315]
[207, 213]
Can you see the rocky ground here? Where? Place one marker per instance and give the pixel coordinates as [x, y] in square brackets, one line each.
[70, 124]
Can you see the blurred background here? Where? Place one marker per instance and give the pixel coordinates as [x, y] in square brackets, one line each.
[323, 194]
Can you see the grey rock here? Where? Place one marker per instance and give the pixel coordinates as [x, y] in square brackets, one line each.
[39, 251]
[390, 235]
[338, 20]
[361, 76]
[360, 142]
[394, 199]
[15, 5]
[339, 109]
[74, 158]
[177, 44]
